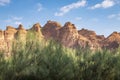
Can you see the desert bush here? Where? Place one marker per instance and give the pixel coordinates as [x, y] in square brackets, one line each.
[37, 59]
[34, 61]
[102, 65]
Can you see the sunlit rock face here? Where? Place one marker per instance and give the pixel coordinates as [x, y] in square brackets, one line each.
[21, 33]
[96, 40]
[51, 29]
[9, 33]
[112, 41]
[67, 35]
[2, 41]
[37, 29]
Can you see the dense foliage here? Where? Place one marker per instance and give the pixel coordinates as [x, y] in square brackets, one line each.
[46, 60]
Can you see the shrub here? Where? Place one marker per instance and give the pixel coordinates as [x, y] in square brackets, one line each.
[37, 59]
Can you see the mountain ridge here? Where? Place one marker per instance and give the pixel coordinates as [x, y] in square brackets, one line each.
[67, 35]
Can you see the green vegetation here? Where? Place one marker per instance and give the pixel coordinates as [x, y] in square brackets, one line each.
[46, 60]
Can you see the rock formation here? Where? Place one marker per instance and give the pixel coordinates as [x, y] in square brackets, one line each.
[112, 41]
[51, 29]
[96, 40]
[11, 34]
[2, 41]
[37, 29]
[67, 35]
[21, 33]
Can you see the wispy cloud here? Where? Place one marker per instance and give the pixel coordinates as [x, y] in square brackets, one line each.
[17, 18]
[104, 4]
[114, 16]
[4, 2]
[67, 8]
[17, 22]
[78, 18]
[39, 7]
[8, 20]
[14, 20]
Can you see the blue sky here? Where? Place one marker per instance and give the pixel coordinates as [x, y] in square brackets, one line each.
[102, 16]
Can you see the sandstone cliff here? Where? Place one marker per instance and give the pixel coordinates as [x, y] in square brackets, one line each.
[51, 29]
[112, 41]
[96, 40]
[67, 35]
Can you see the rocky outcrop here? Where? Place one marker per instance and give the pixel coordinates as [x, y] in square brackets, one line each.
[96, 40]
[21, 33]
[51, 29]
[2, 41]
[37, 29]
[112, 41]
[86, 32]
[115, 36]
[67, 35]
[11, 34]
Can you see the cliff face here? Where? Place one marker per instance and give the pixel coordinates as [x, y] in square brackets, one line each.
[112, 41]
[2, 40]
[51, 29]
[96, 40]
[67, 35]
[10, 34]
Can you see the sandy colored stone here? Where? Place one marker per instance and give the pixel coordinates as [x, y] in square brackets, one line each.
[67, 35]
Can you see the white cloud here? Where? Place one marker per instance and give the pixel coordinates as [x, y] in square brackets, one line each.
[8, 20]
[17, 18]
[39, 7]
[67, 8]
[114, 16]
[4, 2]
[78, 18]
[104, 4]
[14, 20]
[17, 22]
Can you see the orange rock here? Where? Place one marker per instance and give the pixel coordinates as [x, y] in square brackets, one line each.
[67, 35]
[51, 29]
[2, 41]
[21, 33]
[112, 41]
[37, 28]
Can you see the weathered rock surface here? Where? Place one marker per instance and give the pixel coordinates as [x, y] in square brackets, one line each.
[37, 29]
[51, 30]
[67, 35]
[2, 40]
[21, 33]
[112, 41]
[96, 40]
[11, 34]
